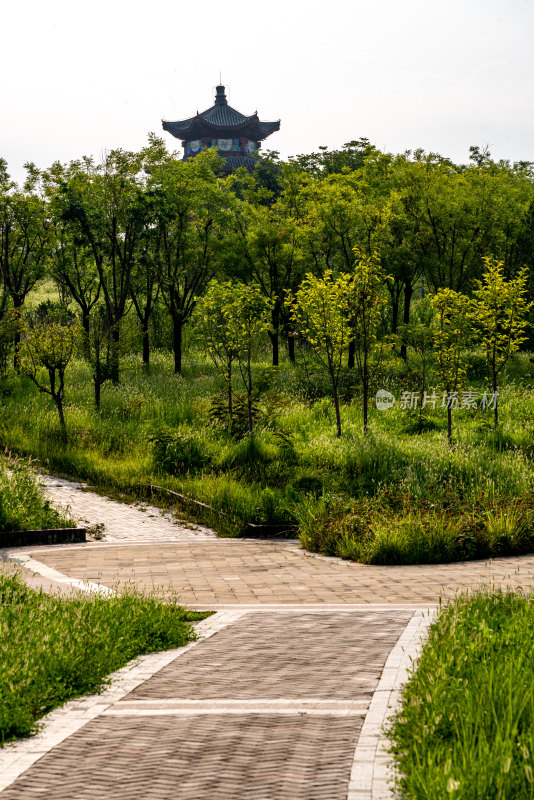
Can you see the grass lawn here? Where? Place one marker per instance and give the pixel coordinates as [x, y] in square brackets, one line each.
[466, 726]
[52, 649]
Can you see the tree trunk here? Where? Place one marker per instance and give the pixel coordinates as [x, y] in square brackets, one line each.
[229, 391]
[365, 382]
[496, 403]
[394, 315]
[336, 406]
[275, 342]
[291, 348]
[352, 351]
[408, 291]
[177, 342]
[114, 355]
[86, 343]
[62, 423]
[274, 335]
[98, 385]
[146, 344]
[17, 306]
[249, 393]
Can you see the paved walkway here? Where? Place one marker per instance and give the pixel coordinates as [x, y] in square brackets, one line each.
[285, 694]
[121, 521]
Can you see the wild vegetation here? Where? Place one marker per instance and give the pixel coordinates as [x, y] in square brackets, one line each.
[53, 649]
[23, 505]
[223, 337]
[466, 725]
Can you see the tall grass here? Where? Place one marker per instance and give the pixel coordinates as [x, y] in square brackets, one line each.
[23, 505]
[466, 726]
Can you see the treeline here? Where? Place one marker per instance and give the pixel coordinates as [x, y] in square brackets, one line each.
[143, 234]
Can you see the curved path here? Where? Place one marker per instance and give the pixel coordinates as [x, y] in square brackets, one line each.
[283, 697]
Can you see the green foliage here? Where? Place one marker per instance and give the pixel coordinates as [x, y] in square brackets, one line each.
[452, 336]
[367, 298]
[177, 455]
[48, 346]
[231, 319]
[466, 725]
[320, 312]
[499, 312]
[53, 650]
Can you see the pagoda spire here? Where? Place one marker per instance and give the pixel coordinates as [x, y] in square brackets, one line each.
[220, 97]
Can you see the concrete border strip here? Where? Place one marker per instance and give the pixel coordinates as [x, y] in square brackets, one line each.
[58, 577]
[260, 705]
[371, 775]
[17, 757]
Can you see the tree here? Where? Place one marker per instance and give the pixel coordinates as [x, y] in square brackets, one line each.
[72, 267]
[100, 345]
[211, 323]
[419, 335]
[345, 211]
[261, 244]
[458, 214]
[351, 157]
[246, 316]
[189, 212]
[144, 292]
[367, 297]
[24, 245]
[49, 345]
[451, 338]
[106, 206]
[499, 310]
[320, 311]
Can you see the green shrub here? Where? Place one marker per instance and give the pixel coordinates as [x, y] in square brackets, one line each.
[177, 455]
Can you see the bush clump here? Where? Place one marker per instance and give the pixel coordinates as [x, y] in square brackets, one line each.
[395, 528]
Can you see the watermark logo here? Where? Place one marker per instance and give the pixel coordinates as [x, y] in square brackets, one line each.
[409, 401]
[384, 400]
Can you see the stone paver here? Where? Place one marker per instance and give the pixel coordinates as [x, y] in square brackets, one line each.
[285, 699]
[122, 522]
[209, 757]
[213, 574]
[285, 654]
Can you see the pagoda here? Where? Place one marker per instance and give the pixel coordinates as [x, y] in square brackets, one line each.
[236, 137]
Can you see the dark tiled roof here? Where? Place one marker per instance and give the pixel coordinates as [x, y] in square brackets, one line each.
[269, 127]
[235, 160]
[221, 116]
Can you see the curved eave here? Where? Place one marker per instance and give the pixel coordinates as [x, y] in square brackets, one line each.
[197, 127]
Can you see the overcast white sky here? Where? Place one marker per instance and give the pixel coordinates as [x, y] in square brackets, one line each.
[80, 77]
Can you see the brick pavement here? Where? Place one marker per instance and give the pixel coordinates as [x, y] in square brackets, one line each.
[268, 708]
[211, 757]
[214, 574]
[271, 705]
[138, 521]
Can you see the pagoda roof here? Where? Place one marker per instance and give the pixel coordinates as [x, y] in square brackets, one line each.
[221, 119]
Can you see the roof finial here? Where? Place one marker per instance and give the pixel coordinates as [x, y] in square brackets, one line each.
[220, 97]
